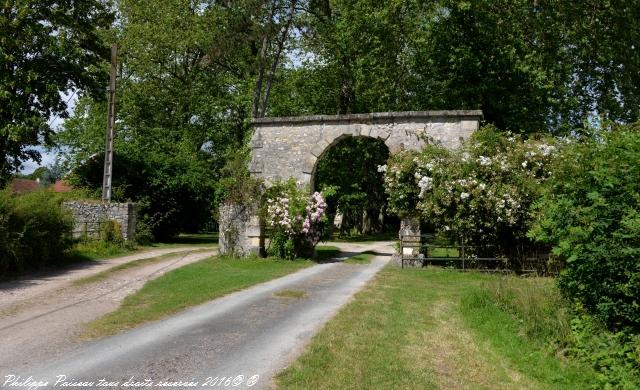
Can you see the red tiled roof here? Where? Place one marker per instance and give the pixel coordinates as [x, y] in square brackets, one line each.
[61, 186]
[24, 185]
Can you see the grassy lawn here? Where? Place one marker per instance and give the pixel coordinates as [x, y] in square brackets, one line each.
[361, 258]
[428, 329]
[190, 285]
[99, 250]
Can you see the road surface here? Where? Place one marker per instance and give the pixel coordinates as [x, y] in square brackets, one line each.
[245, 337]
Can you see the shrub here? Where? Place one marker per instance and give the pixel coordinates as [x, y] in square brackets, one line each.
[480, 193]
[296, 220]
[111, 233]
[548, 319]
[35, 231]
[144, 234]
[590, 213]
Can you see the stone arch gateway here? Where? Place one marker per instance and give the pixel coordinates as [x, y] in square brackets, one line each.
[287, 147]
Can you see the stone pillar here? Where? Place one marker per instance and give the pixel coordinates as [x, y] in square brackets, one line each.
[241, 232]
[410, 226]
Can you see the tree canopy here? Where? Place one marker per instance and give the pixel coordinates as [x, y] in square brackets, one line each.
[193, 74]
[47, 48]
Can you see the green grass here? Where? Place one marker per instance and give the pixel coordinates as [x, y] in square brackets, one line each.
[190, 285]
[443, 252]
[99, 250]
[132, 264]
[326, 252]
[190, 239]
[426, 328]
[361, 258]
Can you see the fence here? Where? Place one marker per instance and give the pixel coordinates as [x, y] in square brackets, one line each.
[422, 249]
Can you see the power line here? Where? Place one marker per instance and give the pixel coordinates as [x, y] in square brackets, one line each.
[66, 104]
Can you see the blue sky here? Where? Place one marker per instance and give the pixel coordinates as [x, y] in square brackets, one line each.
[49, 156]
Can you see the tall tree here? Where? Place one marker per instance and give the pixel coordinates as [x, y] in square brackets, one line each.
[46, 48]
[348, 175]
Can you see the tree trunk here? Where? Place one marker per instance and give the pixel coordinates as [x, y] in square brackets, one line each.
[276, 60]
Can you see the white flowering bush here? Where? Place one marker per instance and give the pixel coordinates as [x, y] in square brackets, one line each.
[295, 219]
[480, 193]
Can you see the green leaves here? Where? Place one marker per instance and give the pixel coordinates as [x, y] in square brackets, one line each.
[47, 48]
[349, 178]
[590, 215]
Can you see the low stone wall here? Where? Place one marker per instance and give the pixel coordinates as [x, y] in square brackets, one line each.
[240, 231]
[89, 217]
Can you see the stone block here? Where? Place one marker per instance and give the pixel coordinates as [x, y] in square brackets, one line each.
[240, 230]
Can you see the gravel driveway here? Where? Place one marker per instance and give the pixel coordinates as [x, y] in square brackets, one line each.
[41, 319]
[247, 336]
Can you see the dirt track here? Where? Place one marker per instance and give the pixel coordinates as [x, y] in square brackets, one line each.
[41, 317]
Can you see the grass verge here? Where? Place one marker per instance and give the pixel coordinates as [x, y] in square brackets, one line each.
[187, 286]
[326, 252]
[132, 264]
[100, 250]
[361, 258]
[420, 328]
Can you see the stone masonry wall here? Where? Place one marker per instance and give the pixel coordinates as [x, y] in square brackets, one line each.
[290, 147]
[283, 148]
[240, 232]
[89, 217]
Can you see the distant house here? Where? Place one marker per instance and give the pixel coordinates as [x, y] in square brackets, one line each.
[19, 186]
[61, 186]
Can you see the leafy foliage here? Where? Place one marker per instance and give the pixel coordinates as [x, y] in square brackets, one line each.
[46, 48]
[34, 231]
[347, 175]
[173, 194]
[480, 193]
[589, 213]
[530, 66]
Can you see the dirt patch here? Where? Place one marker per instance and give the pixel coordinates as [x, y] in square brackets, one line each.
[291, 294]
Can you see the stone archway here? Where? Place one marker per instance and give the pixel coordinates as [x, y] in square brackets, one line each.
[290, 146]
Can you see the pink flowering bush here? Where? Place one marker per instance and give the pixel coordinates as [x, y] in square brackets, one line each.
[295, 220]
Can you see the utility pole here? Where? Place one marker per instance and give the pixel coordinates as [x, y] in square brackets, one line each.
[111, 121]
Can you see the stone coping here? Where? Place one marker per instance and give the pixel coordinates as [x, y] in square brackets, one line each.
[370, 117]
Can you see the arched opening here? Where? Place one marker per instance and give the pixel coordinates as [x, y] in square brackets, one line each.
[347, 173]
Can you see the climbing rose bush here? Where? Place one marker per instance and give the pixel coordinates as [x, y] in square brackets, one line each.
[295, 219]
[480, 193]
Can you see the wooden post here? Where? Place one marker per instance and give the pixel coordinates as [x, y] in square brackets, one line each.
[111, 119]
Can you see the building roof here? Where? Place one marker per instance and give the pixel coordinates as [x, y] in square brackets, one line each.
[61, 186]
[24, 185]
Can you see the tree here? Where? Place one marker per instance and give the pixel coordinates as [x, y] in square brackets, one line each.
[348, 175]
[589, 213]
[545, 65]
[46, 48]
[186, 83]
